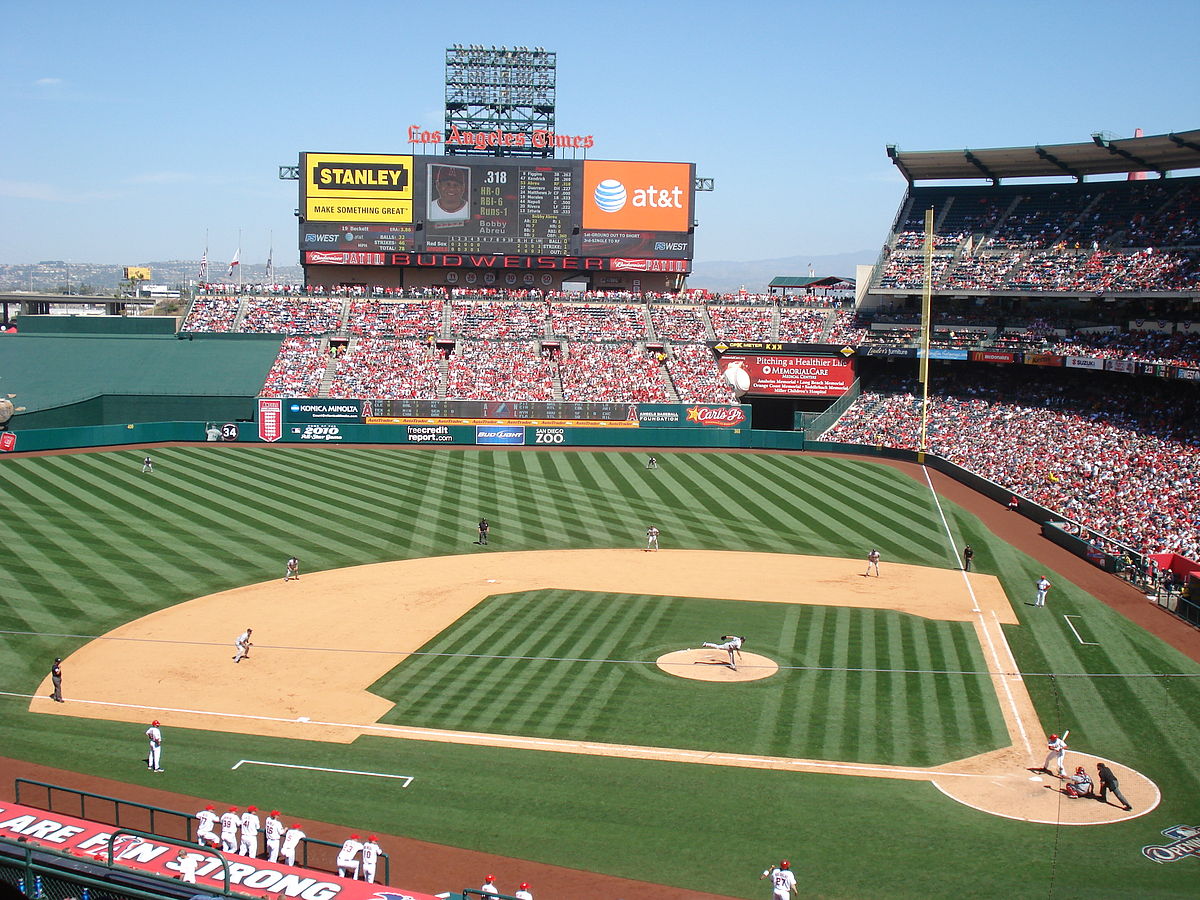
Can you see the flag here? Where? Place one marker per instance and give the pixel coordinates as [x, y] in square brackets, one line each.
[270, 268]
[203, 277]
[234, 263]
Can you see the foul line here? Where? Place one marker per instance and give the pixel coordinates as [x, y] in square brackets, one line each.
[983, 625]
[1076, 633]
[407, 779]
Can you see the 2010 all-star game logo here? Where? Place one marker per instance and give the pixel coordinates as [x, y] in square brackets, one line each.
[1185, 842]
[716, 415]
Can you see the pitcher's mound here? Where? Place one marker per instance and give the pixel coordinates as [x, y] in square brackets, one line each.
[713, 665]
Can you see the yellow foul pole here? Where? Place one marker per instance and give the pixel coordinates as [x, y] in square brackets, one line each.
[926, 325]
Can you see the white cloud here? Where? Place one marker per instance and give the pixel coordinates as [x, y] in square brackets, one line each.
[46, 82]
[47, 193]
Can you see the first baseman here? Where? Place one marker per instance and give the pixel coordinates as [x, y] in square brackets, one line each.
[243, 645]
[783, 880]
[154, 735]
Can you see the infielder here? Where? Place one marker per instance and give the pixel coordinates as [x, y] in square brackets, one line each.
[1042, 585]
[250, 826]
[206, 821]
[732, 644]
[370, 856]
[489, 885]
[292, 570]
[291, 839]
[1056, 753]
[783, 880]
[873, 562]
[273, 833]
[243, 645]
[155, 737]
[229, 830]
[652, 534]
[347, 858]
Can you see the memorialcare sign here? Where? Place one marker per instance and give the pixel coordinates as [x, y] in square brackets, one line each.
[90, 840]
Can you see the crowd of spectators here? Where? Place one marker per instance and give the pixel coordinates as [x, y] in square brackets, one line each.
[396, 369]
[298, 369]
[743, 323]
[397, 318]
[802, 326]
[694, 373]
[501, 370]
[1106, 454]
[274, 315]
[504, 320]
[212, 314]
[598, 322]
[679, 323]
[592, 371]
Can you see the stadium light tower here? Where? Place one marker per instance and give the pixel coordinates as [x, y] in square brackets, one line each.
[501, 88]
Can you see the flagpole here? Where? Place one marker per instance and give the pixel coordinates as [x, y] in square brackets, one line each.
[239, 257]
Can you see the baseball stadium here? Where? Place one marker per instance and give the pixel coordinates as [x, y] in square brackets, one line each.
[535, 484]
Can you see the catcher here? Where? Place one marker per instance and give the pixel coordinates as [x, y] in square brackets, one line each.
[1079, 785]
[732, 644]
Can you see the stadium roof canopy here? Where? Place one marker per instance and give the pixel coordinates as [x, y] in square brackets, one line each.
[1101, 156]
[796, 281]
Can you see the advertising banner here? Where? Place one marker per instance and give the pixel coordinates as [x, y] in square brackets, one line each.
[333, 236]
[1043, 359]
[314, 410]
[90, 840]
[788, 376]
[1120, 365]
[637, 196]
[991, 356]
[351, 187]
[499, 434]
[1083, 362]
[270, 419]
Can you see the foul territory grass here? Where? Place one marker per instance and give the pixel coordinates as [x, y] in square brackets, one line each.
[91, 543]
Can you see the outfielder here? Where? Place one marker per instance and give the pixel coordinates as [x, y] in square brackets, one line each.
[243, 645]
[370, 857]
[229, 830]
[1056, 753]
[206, 821]
[155, 737]
[147, 466]
[732, 644]
[347, 857]
[250, 826]
[652, 534]
[291, 840]
[273, 833]
[783, 881]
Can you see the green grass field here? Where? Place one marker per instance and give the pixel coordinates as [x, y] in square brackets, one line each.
[91, 543]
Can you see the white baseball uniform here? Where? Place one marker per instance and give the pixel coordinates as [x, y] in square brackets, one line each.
[291, 840]
[273, 833]
[250, 826]
[1043, 585]
[873, 562]
[242, 645]
[523, 895]
[229, 831]
[652, 534]
[370, 857]
[1057, 754]
[154, 760]
[783, 882]
[488, 888]
[732, 644]
[206, 834]
[347, 857]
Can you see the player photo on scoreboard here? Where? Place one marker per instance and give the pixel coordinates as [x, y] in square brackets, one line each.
[449, 194]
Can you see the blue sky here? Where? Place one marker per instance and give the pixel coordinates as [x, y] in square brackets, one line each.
[130, 130]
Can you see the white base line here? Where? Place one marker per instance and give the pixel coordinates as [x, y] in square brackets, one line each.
[1076, 633]
[407, 779]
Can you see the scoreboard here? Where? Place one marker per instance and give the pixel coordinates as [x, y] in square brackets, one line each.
[372, 206]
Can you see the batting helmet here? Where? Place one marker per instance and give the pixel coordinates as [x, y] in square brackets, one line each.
[155, 723]
[489, 879]
[524, 886]
[784, 864]
[1054, 737]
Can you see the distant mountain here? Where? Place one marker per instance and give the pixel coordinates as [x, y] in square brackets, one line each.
[755, 275]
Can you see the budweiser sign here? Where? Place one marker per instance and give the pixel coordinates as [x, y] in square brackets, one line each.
[716, 415]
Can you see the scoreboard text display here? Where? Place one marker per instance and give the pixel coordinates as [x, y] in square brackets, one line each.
[788, 376]
[356, 205]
